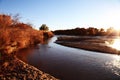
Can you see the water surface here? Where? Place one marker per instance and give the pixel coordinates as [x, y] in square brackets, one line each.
[68, 63]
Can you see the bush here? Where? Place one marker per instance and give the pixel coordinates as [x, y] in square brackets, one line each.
[17, 36]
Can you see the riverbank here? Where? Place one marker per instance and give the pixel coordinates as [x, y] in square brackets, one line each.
[15, 69]
[15, 36]
[88, 43]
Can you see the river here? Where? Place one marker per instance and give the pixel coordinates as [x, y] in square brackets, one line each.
[68, 63]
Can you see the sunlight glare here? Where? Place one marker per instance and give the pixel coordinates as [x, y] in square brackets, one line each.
[114, 64]
[117, 28]
[116, 44]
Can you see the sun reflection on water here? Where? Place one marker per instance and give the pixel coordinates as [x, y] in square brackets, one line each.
[115, 43]
[116, 62]
[114, 65]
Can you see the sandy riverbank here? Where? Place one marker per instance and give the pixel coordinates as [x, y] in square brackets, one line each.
[15, 69]
[88, 43]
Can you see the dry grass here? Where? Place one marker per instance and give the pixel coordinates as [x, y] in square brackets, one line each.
[19, 38]
[15, 36]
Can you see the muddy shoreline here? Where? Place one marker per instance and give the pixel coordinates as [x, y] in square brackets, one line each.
[88, 43]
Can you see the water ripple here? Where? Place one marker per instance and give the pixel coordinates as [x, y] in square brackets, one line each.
[114, 65]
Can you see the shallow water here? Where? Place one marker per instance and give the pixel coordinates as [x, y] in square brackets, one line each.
[68, 63]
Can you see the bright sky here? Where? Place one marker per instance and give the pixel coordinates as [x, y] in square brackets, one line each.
[65, 14]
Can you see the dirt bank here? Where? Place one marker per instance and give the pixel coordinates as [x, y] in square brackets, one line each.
[15, 69]
[87, 43]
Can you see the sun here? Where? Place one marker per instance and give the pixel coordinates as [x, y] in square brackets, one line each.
[117, 28]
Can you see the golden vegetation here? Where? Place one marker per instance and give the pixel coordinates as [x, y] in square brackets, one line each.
[15, 35]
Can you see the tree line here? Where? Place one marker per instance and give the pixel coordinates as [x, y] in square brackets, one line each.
[91, 31]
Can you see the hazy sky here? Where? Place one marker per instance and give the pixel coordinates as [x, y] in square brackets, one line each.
[65, 14]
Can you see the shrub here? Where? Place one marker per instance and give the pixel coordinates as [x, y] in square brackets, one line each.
[17, 36]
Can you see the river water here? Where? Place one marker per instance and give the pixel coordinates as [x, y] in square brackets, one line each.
[68, 63]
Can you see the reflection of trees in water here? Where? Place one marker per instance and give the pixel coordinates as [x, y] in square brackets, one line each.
[46, 40]
[47, 37]
[21, 54]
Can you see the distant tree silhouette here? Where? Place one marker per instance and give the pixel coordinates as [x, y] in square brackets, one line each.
[44, 27]
[91, 31]
[111, 31]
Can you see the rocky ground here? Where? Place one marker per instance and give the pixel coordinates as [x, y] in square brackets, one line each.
[15, 69]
